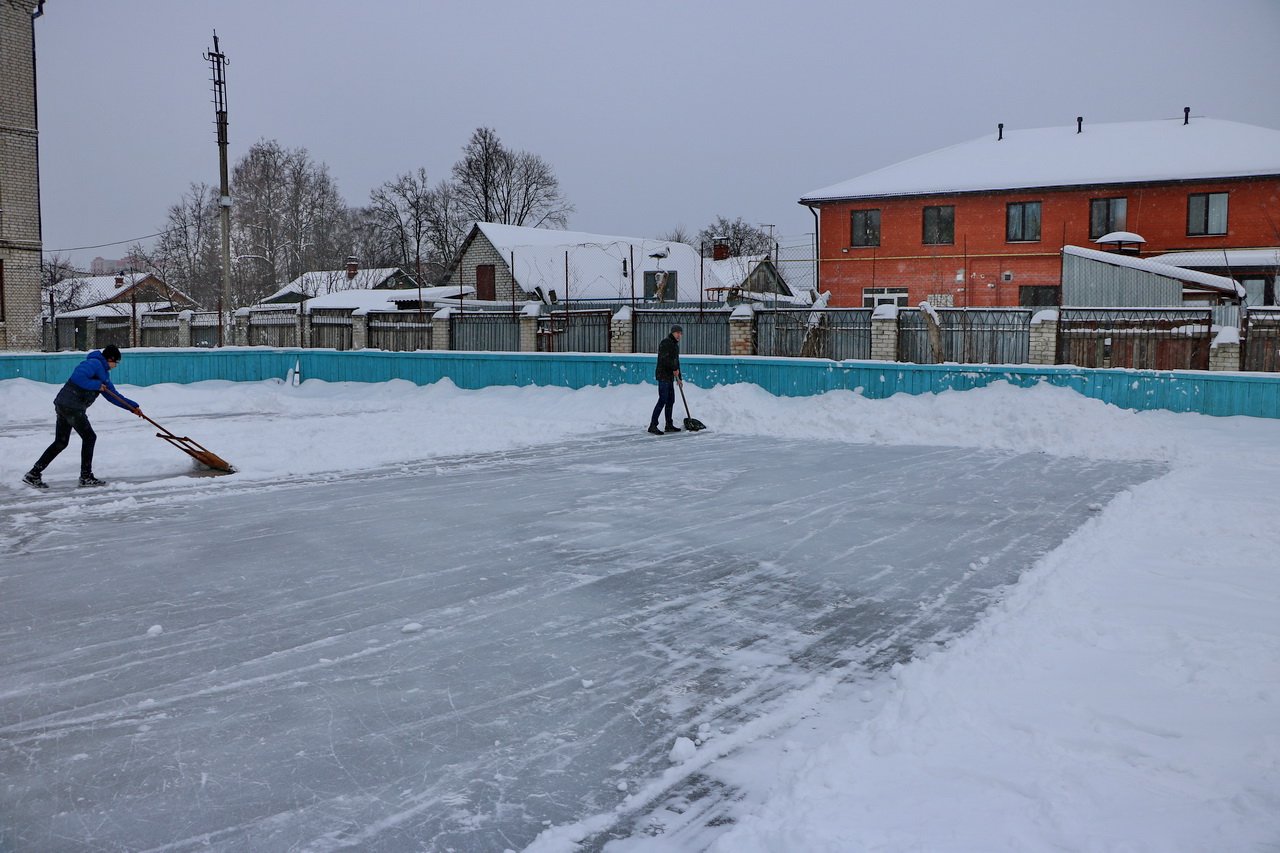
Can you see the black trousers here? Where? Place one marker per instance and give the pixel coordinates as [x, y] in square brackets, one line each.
[666, 400]
[69, 419]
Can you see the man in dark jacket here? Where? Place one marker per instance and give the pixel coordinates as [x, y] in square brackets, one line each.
[91, 377]
[667, 374]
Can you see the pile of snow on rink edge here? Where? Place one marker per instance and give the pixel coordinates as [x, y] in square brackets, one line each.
[1123, 697]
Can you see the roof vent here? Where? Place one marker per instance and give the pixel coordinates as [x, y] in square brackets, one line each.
[1186, 116]
[999, 131]
[1079, 124]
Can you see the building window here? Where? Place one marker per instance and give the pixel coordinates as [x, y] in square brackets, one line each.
[864, 228]
[939, 225]
[487, 282]
[876, 296]
[1022, 222]
[1106, 215]
[1206, 214]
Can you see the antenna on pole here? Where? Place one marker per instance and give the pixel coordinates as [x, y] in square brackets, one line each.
[217, 64]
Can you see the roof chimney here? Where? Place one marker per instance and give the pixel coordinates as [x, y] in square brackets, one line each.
[1186, 115]
[353, 266]
[119, 279]
[1079, 124]
[720, 249]
[999, 131]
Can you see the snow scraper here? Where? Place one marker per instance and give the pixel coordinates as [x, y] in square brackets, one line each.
[690, 424]
[188, 446]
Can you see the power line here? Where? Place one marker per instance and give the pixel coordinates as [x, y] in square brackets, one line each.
[105, 245]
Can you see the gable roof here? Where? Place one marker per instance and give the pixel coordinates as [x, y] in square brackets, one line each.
[1124, 152]
[596, 262]
[97, 289]
[311, 284]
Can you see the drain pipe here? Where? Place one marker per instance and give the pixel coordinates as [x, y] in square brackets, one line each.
[817, 250]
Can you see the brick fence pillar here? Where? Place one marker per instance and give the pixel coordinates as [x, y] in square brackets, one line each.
[742, 331]
[529, 327]
[1043, 347]
[440, 329]
[884, 333]
[184, 328]
[1224, 354]
[90, 334]
[622, 332]
[359, 330]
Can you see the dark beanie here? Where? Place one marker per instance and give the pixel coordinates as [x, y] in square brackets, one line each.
[677, 328]
[111, 352]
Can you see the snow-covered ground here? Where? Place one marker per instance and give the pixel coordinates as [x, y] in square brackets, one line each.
[434, 619]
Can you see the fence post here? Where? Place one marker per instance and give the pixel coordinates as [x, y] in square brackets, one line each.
[90, 334]
[1224, 352]
[1043, 346]
[621, 332]
[359, 329]
[742, 328]
[884, 333]
[240, 328]
[304, 326]
[440, 329]
[529, 327]
[184, 328]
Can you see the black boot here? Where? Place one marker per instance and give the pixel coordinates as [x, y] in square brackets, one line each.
[653, 428]
[33, 479]
[90, 480]
[672, 428]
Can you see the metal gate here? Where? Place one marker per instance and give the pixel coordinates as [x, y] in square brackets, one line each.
[277, 329]
[968, 336]
[1262, 339]
[159, 330]
[1140, 338]
[574, 331]
[113, 330]
[330, 329]
[705, 332]
[204, 329]
[484, 331]
[402, 331]
[835, 333]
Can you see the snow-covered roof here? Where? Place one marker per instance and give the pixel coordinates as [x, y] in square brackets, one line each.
[596, 262]
[116, 309]
[94, 289]
[1223, 258]
[385, 299]
[734, 271]
[332, 281]
[1124, 152]
[1217, 283]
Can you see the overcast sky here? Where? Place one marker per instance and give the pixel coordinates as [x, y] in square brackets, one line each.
[653, 113]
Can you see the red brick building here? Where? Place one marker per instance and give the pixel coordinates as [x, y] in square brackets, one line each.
[983, 223]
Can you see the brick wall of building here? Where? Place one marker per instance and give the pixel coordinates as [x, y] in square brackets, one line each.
[982, 269]
[481, 251]
[19, 180]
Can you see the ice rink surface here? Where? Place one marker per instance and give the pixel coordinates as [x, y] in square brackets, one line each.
[457, 654]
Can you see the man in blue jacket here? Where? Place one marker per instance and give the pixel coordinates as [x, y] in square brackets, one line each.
[91, 377]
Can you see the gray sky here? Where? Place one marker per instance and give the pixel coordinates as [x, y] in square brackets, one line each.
[652, 113]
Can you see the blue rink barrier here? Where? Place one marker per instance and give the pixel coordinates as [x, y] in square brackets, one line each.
[1220, 394]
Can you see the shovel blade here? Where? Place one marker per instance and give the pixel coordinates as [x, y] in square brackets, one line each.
[693, 424]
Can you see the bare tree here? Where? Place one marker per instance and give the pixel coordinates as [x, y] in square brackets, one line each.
[495, 184]
[742, 237]
[288, 219]
[678, 234]
[399, 213]
[187, 254]
[60, 279]
[447, 224]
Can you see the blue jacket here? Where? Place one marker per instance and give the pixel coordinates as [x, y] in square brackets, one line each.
[86, 380]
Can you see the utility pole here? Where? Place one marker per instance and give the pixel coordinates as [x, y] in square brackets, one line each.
[218, 65]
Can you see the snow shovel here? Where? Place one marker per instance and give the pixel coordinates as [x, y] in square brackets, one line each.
[690, 424]
[187, 445]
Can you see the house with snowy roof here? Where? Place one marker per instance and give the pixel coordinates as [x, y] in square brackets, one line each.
[351, 277]
[983, 223]
[122, 291]
[512, 263]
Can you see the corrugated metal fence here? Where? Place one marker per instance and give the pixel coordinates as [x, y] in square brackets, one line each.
[705, 332]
